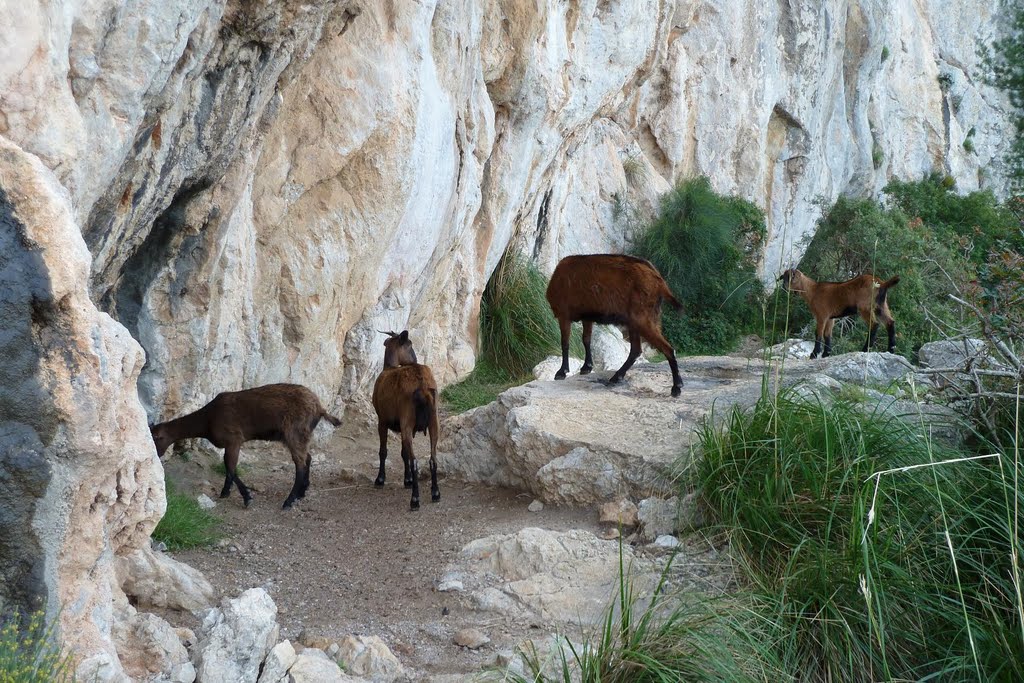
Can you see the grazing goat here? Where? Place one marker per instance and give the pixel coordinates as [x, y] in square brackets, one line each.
[611, 289]
[864, 294]
[276, 412]
[405, 398]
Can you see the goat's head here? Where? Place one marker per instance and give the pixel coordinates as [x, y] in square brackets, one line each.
[161, 438]
[792, 280]
[398, 350]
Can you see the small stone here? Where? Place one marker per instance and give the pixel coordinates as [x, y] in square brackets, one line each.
[450, 586]
[610, 534]
[535, 506]
[369, 656]
[471, 638]
[667, 541]
[333, 649]
[158, 546]
[620, 512]
[315, 640]
[205, 502]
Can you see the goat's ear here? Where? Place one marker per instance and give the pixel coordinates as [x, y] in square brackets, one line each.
[404, 337]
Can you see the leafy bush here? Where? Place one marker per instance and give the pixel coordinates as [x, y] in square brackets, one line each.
[480, 388]
[871, 553]
[185, 524]
[29, 652]
[706, 247]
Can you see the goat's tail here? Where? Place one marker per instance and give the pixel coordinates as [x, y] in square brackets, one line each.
[423, 401]
[667, 295]
[883, 289]
[330, 418]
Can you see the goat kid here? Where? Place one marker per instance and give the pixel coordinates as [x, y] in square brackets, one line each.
[611, 289]
[865, 295]
[405, 398]
[287, 413]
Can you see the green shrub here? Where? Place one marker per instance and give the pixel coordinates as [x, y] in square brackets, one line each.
[480, 388]
[877, 155]
[30, 653]
[185, 524]
[706, 247]
[885, 52]
[865, 569]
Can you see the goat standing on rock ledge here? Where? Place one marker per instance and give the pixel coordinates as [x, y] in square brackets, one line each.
[864, 294]
[276, 412]
[405, 398]
[611, 289]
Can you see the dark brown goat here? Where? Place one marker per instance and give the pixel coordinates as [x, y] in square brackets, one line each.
[611, 289]
[405, 398]
[276, 412]
[865, 295]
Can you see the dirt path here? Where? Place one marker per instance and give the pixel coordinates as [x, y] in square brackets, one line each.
[351, 558]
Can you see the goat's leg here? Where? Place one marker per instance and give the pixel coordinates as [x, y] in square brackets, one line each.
[588, 362]
[819, 332]
[565, 327]
[231, 465]
[658, 341]
[410, 458]
[435, 492]
[408, 476]
[634, 353]
[828, 338]
[229, 474]
[872, 333]
[299, 458]
[309, 466]
[890, 329]
[382, 431]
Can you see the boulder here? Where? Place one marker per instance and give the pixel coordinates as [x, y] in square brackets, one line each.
[620, 512]
[952, 354]
[235, 638]
[546, 369]
[867, 368]
[559, 576]
[154, 579]
[149, 648]
[370, 657]
[657, 517]
[275, 667]
[314, 666]
[791, 348]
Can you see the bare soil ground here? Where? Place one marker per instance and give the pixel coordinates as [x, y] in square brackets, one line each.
[351, 558]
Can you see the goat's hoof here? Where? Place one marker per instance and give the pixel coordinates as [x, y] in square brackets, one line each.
[225, 494]
[560, 374]
[408, 484]
[586, 369]
[615, 379]
[288, 504]
[435, 496]
[813, 356]
[246, 501]
[676, 390]
[414, 505]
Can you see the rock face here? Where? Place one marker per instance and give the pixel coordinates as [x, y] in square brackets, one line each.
[81, 481]
[252, 189]
[263, 185]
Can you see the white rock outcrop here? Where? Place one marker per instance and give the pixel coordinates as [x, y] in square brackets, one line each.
[235, 638]
[158, 580]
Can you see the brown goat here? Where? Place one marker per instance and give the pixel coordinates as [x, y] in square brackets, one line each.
[405, 398]
[276, 412]
[865, 295]
[611, 289]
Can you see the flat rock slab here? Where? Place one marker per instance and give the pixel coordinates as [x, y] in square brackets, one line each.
[582, 441]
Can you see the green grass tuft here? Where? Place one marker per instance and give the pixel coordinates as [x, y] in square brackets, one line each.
[517, 331]
[185, 524]
[864, 569]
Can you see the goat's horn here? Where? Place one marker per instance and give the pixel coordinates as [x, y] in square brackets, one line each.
[390, 334]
